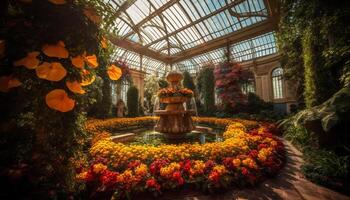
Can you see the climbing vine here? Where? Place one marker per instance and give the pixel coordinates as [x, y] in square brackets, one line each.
[313, 37]
[51, 53]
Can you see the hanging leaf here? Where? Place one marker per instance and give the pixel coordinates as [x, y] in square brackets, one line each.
[58, 100]
[51, 71]
[78, 62]
[91, 14]
[57, 51]
[58, 2]
[75, 87]
[30, 61]
[114, 72]
[86, 78]
[8, 82]
[104, 43]
[91, 61]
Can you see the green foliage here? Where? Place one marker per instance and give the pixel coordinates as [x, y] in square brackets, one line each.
[313, 36]
[151, 89]
[132, 101]
[206, 88]
[43, 143]
[188, 81]
[163, 83]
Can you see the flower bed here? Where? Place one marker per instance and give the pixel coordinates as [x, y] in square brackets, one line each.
[246, 156]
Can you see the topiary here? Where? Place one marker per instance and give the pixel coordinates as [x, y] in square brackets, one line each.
[132, 101]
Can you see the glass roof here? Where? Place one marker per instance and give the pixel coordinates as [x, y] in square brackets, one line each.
[256, 47]
[170, 27]
[134, 61]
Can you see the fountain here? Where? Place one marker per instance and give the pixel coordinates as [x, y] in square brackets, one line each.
[175, 120]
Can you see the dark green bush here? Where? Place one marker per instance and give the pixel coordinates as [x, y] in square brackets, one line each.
[206, 88]
[132, 101]
[188, 81]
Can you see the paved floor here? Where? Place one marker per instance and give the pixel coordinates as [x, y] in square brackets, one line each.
[288, 184]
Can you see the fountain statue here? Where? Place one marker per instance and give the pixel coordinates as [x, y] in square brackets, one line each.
[175, 120]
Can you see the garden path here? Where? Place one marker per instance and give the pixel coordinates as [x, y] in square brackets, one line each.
[289, 184]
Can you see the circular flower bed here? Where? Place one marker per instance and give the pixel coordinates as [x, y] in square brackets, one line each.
[248, 154]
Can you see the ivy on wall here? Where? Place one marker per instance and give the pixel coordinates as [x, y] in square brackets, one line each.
[313, 38]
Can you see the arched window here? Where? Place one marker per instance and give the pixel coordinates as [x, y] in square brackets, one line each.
[277, 83]
[124, 89]
[248, 85]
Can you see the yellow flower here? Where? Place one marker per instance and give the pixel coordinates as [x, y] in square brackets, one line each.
[236, 162]
[98, 168]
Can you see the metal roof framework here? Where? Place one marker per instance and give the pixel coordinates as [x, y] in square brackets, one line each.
[156, 35]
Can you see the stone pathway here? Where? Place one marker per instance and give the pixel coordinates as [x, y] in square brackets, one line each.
[289, 184]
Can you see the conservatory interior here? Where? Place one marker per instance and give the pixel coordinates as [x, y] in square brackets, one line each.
[175, 99]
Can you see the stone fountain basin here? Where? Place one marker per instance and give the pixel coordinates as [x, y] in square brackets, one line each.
[200, 132]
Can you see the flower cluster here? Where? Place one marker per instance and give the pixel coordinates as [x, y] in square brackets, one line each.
[244, 157]
[171, 92]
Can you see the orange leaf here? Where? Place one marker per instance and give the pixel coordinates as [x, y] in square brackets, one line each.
[114, 72]
[58, 100]
[2, 47]
[58, 2]
[92, 15]
[8, 82]
[75, 87]
[30, 61]
[104, 43]
[91, 61]
[58, 50]
[51, 71]
[78, 62]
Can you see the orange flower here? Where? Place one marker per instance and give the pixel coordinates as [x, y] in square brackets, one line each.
[92, 15]
[58, 50]
[2, 47]
[78, 62]
[8, 82]
[91, 61]
[58, 2]
[58, 100]
[75, 87]
[30, 61]
[51, 71]
[86, 79]
[104, 43]
[114, 72]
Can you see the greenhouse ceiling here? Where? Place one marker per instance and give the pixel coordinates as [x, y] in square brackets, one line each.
[154, 35]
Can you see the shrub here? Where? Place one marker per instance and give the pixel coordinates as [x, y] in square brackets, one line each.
[133, 104]
[206, 87]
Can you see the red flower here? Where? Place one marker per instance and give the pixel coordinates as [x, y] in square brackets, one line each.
[214, 177]
[245, 171]
[186, 165]
[109, 178]
[134, 164]
[253, 153]
[152, 183]
[209, 164]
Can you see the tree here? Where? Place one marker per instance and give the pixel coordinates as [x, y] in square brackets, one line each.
[133, 101]
[151, 88]
[228, 79]
[188, 81]
[206, 87]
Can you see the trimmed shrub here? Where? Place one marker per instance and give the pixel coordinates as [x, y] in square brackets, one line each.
[132, 101]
